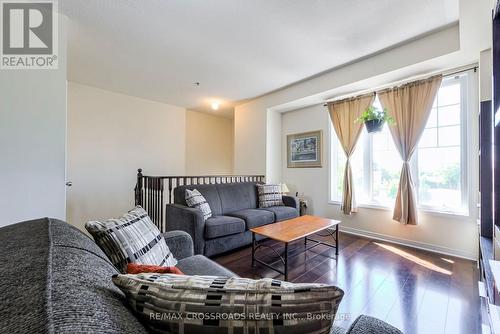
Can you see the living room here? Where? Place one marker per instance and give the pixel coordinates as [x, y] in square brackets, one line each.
[342, 148]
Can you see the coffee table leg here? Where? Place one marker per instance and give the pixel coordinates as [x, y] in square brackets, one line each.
[286, 261]
[337, 240]
[253, 249]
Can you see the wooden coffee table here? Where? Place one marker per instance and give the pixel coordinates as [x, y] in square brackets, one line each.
[294, 229]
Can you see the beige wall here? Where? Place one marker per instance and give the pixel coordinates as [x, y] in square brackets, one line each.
[209, 144]
[110, 136]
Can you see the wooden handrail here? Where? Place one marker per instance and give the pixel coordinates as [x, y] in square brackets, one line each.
[150, 191]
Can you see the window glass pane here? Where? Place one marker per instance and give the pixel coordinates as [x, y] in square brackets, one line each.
[439, 177]
[386, 168]
[449, 115]
[340, 169]
[432, 121]
[449, 136]
[429, 138]
[449, 94]
[358, 169]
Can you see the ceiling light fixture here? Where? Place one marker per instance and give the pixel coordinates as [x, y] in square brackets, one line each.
[215, 105]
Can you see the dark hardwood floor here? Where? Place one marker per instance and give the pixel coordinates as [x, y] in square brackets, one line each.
[414, 290]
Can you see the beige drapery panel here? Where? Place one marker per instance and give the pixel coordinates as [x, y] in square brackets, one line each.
[410, 106]
[343, 115]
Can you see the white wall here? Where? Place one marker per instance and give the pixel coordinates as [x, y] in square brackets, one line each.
[33, 141]
[250, 118]
[486, 75]
[209, 144]
[250, 132]
[110, 136]
[454, 46]
[273, 147]
[454, 235]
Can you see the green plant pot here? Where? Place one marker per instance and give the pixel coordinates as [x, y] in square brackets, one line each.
[374, 125]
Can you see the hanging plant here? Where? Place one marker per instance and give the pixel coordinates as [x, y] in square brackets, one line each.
[374, 119]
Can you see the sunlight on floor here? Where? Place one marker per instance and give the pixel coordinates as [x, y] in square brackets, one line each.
[414, 258]
[447, 260]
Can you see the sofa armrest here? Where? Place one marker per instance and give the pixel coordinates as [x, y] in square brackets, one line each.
[365, 324]
[292, 202]
[190, 220]
[179, 243]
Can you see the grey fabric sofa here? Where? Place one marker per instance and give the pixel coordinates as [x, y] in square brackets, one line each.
[235, 209]
[55, 279]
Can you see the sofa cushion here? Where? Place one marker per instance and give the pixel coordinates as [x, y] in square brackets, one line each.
[201, 265]
[237, 196]
[55, 279]
[254, 217]
[229, 242]
[282, 212]
[156, 297]
[132, 238]
[209, 192]
[219, 226]
[367, 324]
[194, 199]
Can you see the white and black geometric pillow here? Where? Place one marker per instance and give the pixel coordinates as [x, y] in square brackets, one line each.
[133, 238]
[194, 199]
[269, 195]
[210, 304]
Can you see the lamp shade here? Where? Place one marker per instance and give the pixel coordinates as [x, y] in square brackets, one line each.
[284, 188]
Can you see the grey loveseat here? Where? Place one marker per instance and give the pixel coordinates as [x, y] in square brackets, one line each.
[55, 279]
[235, 209]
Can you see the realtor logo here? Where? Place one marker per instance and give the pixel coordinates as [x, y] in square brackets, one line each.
[29, 34]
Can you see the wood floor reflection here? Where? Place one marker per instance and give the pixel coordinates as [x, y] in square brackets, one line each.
[414, 290]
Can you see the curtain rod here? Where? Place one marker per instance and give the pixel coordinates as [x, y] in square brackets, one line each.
[401, 82]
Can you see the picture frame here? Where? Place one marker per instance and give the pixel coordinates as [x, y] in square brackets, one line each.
[305, 150]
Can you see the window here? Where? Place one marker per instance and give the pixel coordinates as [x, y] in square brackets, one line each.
[439, 164]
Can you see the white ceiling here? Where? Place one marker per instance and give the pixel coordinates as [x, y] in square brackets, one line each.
[236, 49]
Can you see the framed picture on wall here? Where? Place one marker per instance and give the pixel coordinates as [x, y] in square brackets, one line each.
[304, 150]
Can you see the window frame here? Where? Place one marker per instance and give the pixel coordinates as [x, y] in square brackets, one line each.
[468, 124]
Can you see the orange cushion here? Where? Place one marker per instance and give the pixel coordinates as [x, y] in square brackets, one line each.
[135, 268]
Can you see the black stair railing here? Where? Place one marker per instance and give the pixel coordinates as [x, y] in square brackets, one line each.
[154, 192]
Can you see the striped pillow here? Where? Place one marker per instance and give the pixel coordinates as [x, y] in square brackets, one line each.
[209, 304]
[133, 238]
[269, 195]
[194, 199]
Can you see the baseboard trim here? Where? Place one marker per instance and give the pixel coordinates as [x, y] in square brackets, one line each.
[409, 243]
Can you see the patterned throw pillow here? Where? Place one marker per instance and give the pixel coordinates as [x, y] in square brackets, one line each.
[269, 195]
[133, 238]
[135, 268]
[210, 304]
[194, 199]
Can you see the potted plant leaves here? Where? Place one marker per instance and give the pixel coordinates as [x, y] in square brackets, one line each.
[374, 119]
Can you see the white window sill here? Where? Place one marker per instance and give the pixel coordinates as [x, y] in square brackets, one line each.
[427, 210]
